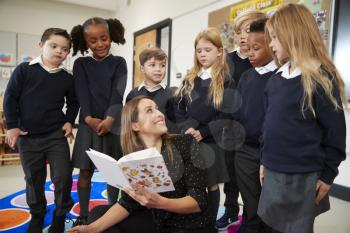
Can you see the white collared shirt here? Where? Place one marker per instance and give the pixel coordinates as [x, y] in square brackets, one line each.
[205, 74]
[90, 54]
[50, 70]
[241, 55]
[152, 89]
[271, 66]
[285, 71]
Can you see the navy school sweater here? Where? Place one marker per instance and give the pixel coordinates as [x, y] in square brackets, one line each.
[237, 66]
[100, 87]
[199, 113]
[251, 114]
[294, 144]
[34, 99]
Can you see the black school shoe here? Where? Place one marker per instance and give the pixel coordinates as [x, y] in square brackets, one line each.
[81, 220]
[36, 224]
[58, 223]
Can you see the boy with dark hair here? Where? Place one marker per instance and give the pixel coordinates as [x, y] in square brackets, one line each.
[34, 98]
[251, 115]
[238, 62]
[153, 67]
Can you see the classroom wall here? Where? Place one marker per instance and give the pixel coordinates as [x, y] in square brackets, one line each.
[34, 16]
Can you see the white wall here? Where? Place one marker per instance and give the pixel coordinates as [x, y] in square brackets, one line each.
[34, 16]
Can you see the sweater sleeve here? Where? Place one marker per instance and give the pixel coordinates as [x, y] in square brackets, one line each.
[72, 104]
[82, 88]
[183, 122]
[12, 95]
[332, 122]
[118, 89]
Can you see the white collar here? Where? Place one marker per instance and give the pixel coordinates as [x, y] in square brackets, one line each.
[90, 54]
[285, 71]
[239, 54]
[271, 66]
[205, 74]
[152, 89]
[50, 70]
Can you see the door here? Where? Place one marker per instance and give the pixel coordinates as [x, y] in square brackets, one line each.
[142, 41]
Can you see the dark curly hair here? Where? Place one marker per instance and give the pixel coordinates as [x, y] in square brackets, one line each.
[115, 27]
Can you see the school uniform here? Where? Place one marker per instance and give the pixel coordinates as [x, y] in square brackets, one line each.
[238, 63]
[197, 112]
[34, 99]
[100, 86]
[163, 96]
[297, 150]
[247, 157]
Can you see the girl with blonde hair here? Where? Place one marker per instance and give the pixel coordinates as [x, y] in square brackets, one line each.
[199, 105]
[304, 130]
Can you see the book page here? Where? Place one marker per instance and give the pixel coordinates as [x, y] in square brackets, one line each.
[109, 169]
[147, 167]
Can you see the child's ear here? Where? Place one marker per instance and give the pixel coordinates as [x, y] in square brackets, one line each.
[41, 44]
[135, 127]
[142, 68]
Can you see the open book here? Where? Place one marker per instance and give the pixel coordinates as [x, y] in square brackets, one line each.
[146, 167]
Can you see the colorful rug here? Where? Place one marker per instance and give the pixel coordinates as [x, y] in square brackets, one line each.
[15, 216]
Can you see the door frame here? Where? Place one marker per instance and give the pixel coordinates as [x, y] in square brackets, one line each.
[158, 26]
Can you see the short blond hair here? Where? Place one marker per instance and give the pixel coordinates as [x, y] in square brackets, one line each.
[247, 16]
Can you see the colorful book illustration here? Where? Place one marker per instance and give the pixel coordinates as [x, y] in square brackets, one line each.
[146, 167]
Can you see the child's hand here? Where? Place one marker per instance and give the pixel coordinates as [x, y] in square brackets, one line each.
[105, 126]
[93, 122]
[144, 197]
[195, 133]
[12, 135]
[261, 174]
[321, 190]
[68, 131]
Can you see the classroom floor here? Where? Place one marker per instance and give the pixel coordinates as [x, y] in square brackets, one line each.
[334, 221]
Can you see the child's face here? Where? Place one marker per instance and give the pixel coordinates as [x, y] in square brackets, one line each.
[207, 53]
[151, 122]
[54, 50]
[276, 47]
[154, 71]
[98, 40]
[258, 51]
[242, 36]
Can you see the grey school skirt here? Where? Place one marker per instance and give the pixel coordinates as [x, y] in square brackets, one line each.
[287, 201]
[215, 163]
[87, 138]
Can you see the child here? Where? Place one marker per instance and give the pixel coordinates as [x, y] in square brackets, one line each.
[34, 98]
[304, 129]
[199, 103]
[181, 210]
[100, 84]
[251, 116]
[153, 66]
[238, 62]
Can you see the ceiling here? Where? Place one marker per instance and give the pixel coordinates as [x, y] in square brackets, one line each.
[109, 5]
